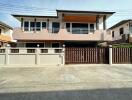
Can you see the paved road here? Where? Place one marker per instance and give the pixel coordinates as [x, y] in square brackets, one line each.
[99, 94]
[67, 83]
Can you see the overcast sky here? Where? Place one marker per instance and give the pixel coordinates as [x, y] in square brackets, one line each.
[122, 8]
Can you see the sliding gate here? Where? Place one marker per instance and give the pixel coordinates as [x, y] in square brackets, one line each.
[87, 55]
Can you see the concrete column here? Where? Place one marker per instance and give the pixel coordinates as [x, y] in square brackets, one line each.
[104, 22]
[110, 54]
[97, 22]
[63, 56]
[22, 25]
[37, 56]
[47, 24]
[62, 22]
[7, 55]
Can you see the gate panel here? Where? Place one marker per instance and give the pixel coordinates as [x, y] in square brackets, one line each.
[122, 55]
[87, 55]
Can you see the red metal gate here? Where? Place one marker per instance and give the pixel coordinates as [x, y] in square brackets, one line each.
[87, 55]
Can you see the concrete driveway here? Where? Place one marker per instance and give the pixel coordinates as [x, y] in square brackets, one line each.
[73, 82]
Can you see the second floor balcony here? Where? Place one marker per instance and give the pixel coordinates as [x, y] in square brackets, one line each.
[66, 34]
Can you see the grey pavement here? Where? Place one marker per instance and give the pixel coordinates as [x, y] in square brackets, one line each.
[72, 82]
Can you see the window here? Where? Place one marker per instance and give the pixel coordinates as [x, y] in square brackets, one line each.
[92, 28]
[55, 45]
[113, 33]
[130, 29]
[43, 25]
[79, 28]
[38, 26]
[32, 26]
[121, 31]
[55, 27]
[68, 27]
[26, 26]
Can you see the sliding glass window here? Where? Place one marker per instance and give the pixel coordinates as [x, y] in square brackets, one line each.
[26, 26]
[55, 27]
[79, 28]
[92, 28]
[43, 25]
[38, 26]
[68, 27]
[32, 26]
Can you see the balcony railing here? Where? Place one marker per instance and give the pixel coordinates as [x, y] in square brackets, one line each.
[80, 30]
[64, 34]
[56, 30]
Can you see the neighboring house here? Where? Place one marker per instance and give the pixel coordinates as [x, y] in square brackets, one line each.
[122, 31]
[72, 28]
[5, 34]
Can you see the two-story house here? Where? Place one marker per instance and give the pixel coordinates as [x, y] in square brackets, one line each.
[72, 28]
[122, 31]
[5, 34]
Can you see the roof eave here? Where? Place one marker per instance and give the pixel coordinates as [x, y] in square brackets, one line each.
[33, 16]
[75, 11]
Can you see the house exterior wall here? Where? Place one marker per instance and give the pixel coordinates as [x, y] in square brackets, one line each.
[116, 30]
[6, 34]
[97, 34]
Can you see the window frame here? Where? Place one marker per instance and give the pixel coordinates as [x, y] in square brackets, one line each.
[42, 25]
[58, 28]
[113, 34]
[121, 30]
[81, 23]
[32, 27]
[29, 25]
[91, 30]
[28, 28]
[39, 27]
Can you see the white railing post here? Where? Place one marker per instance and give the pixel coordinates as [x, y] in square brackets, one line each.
[7, 54]
[110, 54]
[37, 56]
[63, 55]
